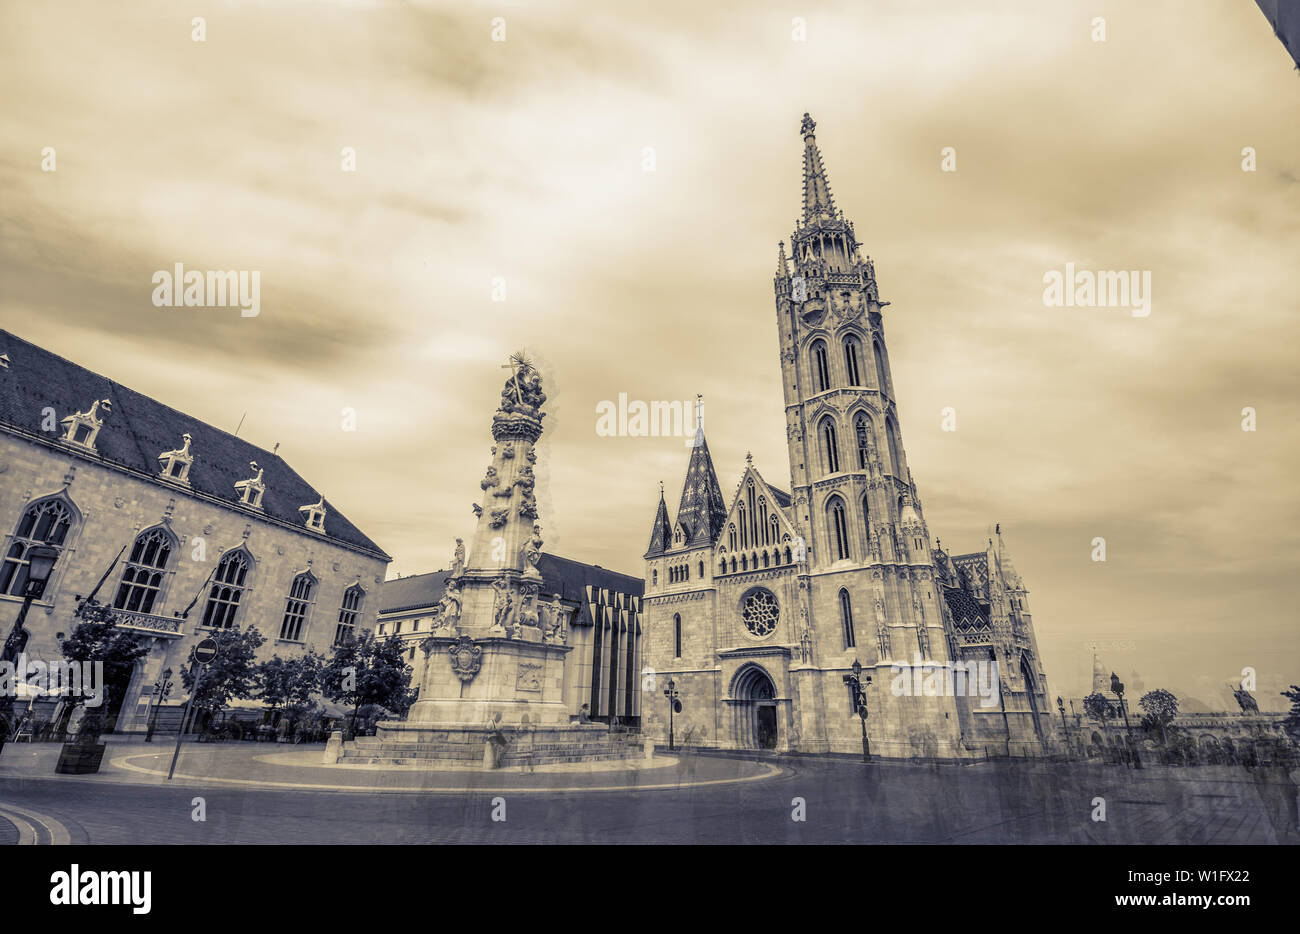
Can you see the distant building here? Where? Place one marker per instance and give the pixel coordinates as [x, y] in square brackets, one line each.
[602, 619]
[181, 528]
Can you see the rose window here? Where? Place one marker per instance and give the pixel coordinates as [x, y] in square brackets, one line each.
[760, 613]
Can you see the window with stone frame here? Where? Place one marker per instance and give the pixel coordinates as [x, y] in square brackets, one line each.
[839, 528]
[852, 356]
[677, 635]
[46, 521]
[348, 612]
[821, 369]
[846, 619]
[140, 590]
[830, 445]
[297, 607]
[226, 591]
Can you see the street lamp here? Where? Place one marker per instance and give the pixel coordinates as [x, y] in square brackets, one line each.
[40, 562]
[1060, 705]
[1117, 686]
[860, 703]
[160, 692]
[674, 706]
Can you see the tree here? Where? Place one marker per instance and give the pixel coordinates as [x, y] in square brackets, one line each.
[231, 674]
[368, 671]
[1097, 706]
[289, 683]
[1292, 722]
[97, 638]
[1159, 710]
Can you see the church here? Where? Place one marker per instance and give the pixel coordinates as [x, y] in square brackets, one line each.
[760, 606]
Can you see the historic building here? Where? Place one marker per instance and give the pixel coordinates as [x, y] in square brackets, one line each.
[601, 622]
[181, 528]
[758, 604]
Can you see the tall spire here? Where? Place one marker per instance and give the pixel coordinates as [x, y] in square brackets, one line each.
[817, 201]
[661, 535]
[702, 511]
[782, 266]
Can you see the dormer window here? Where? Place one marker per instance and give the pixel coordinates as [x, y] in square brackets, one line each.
[314, 515]
[250, 491]
[82, 428]
[175, 465]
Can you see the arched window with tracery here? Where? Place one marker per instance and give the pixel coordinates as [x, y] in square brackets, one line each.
[44, 522]
[837, 523]
[852, 360]
[846, 618]
[821, 369]
[891, 436]
[773, 529]
[296, 607]
[830, 445]
[348, 613]
[227, 590]
[145, 571]
[881, 382]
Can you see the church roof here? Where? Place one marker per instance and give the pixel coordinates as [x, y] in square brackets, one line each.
[967, 612]
[661, 535]
[140, 428]
[564, 576]
[702, 511]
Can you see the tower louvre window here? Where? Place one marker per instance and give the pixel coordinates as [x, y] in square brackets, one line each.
[851, 357]
[881, 382]
[839, 528]
[846, 617]
[862, 428]
[830, 445]
[821, 369]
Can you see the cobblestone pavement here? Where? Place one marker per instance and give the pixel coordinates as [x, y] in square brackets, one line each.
[260, 794]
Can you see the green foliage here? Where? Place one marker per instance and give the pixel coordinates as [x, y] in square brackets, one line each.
[1159, 708]
[368, 671]
[231, 674]
[1097, 706]
[1292, 722]
[97, 638]
[289, 682]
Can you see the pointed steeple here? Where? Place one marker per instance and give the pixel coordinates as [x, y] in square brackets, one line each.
[661, 535]
[702, 511]
[817, 201]
[782, 267]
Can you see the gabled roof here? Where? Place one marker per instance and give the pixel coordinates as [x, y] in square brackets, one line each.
[762, 490]
[140, 428]
[702, 511]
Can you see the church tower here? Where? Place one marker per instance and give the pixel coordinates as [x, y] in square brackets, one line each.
[870, 572]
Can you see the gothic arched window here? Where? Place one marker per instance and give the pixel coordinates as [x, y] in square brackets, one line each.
[677, 635]
[880, 367]
[44, 522]
[348, 613]
[846, 617]
[731, 536]
[142, 578]
[774, 529]
[852, 354]
[227, 590]
[891, 436]
[862, 429]
[821, 370]
[839, 527]
[744, 526]
[296, 607]
[830, 445]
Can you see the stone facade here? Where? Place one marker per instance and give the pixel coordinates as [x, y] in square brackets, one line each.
[758, 606]
[112, 498]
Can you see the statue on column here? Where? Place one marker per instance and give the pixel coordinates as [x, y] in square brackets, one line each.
[458, 559]
[503, 609]
[449, 607]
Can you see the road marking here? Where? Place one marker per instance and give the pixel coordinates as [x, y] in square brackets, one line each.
[24, 819]
[770, 771]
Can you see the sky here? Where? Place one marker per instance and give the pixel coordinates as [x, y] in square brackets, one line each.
[606, 188]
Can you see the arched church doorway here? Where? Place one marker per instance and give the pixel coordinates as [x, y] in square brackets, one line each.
[755, 709]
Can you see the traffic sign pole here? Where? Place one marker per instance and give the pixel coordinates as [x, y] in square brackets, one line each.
[204, 653]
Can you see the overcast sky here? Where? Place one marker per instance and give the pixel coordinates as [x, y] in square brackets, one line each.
[525, 160]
